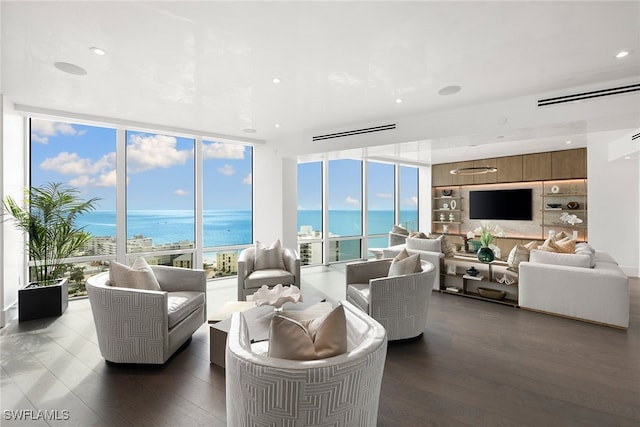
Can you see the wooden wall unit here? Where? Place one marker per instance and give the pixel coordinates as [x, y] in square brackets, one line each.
[569, 164]
[565, 164]
[485, 178]
[441, 176]
[536, 167]
[462, 179]
[509, 169]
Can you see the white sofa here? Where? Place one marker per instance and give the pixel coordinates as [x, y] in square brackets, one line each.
[583, 286]
[430, 250]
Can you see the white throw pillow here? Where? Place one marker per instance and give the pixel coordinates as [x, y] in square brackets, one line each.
[269, 257]
[404, 263]
[138, 276]
[518, 254]
[319, 338]
[431, 245]
[570, 260]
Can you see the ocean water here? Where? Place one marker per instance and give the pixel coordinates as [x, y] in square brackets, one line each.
[226, 227]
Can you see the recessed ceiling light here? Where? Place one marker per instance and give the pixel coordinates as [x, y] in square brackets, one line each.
[249, 130]
[622, 54]
[70, 68]
[399, 100]
[276, 80]
[449, 90]
[627, 157]
[567, 142]
[277, 125]
[98, 51]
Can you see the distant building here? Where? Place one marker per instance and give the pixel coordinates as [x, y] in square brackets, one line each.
[227, 262]
[184, 261]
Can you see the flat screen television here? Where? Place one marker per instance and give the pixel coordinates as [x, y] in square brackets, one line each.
[512, 204]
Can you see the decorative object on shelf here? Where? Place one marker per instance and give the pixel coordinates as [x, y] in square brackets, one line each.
[277, 296]
[485, 254]
[554, 205]
[474, 245]
[447, 193]
[492, 293]
[453, 289]
[573, 205]
[445, 229]
[570, 219]
[441, 217]
[487, 232]
[506, 281]
[472, 271]
[555, 189]
[453, 204]
[473, 170]
[451, 217]
[451, 269]
[445, 206]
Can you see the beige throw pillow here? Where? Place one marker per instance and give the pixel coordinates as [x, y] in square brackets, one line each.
[269, 257]
[138, 276]
[319, 338]
[419, 244]
[518, 254]
[399, 229]
[418, 235]
[404, 263]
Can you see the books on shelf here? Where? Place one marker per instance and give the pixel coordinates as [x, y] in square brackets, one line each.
[453, 289]
[478, 277]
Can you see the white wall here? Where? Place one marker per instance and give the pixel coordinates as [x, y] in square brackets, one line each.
[12, 274]
[267, 194]
[614, 201]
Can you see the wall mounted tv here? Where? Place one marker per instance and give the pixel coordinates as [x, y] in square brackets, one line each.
[512, 204]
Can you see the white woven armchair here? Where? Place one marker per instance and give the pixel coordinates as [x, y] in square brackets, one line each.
[343, 390]
[250, 279]
[142, 326]
[399, 303]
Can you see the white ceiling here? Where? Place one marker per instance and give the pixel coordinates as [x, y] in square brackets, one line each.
[208, 66]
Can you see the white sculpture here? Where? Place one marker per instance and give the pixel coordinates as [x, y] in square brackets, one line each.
[277, 295]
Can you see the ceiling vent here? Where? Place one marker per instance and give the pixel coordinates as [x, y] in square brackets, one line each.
[635, 137]
[355, 132]
[589, 95]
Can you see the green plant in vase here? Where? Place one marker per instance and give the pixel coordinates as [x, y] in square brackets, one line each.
[487, 233]
[48, 216]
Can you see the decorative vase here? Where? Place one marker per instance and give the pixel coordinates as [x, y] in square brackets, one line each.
[485, 255]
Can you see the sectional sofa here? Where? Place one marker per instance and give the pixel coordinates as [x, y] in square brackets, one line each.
[586, 285]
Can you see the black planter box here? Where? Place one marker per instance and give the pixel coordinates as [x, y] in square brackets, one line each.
[43, 301]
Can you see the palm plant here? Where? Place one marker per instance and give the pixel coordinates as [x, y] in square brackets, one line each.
[49, 218]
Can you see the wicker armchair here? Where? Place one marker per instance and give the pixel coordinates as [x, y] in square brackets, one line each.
[399, 303]
[141, 326]
[343, 390]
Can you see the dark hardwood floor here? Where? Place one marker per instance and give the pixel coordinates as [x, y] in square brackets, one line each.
[478, 364]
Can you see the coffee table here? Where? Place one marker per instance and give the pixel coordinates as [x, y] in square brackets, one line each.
[258, 321]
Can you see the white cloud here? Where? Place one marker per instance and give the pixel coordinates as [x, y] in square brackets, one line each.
[351, 201]
[248, 180]
[107, 179]
[72, 164]
[226, 170]
[218, 150]
[384, 195]
[181, 192]
[412, 201]
[41, 130]
[155, 151]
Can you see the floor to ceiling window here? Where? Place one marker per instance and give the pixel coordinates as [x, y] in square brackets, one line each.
[380, 203]
[160, 197]
[389, 200]
[310, 245]
[345, 209]
[159, 194]
[82, 157]
[408, 189]
[227, 200]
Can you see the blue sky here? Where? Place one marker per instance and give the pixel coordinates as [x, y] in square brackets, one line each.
[160, 168]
